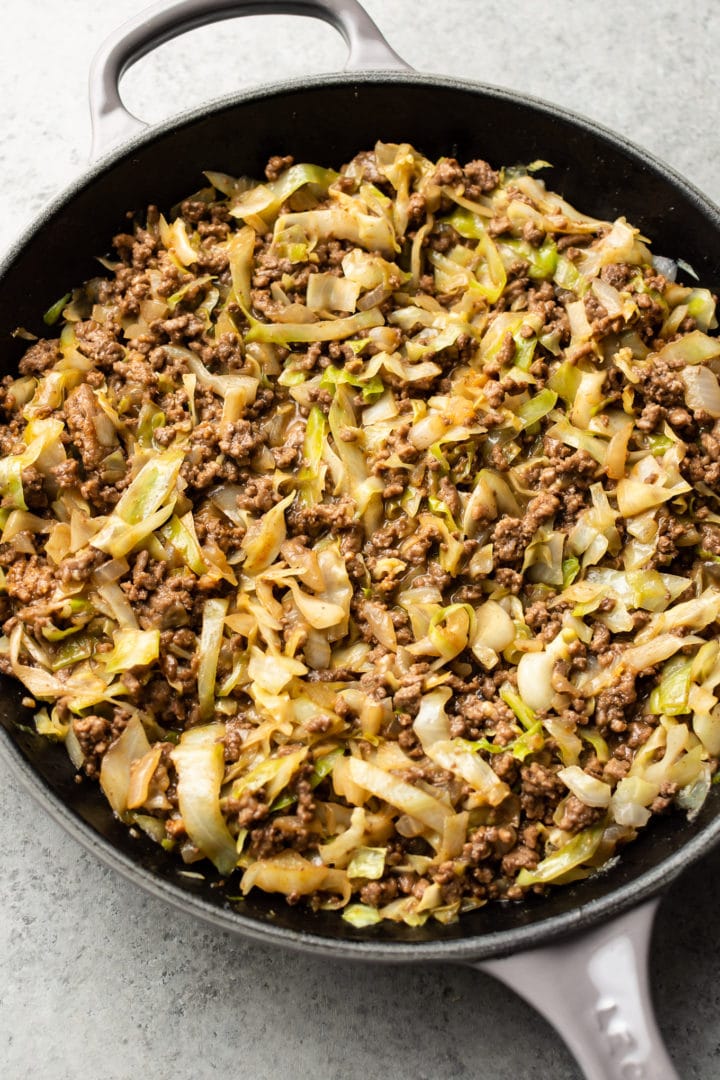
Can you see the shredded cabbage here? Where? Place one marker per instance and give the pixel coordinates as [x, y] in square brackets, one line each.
[199, 760]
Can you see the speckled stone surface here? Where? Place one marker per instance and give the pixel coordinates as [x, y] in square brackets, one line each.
[98, 980]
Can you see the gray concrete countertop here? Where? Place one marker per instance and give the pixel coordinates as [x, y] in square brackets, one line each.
[98, 980]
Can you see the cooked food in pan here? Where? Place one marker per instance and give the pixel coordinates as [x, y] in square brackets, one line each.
[361, 534]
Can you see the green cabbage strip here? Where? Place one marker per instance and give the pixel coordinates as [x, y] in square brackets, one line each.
[265, 200]
[272, 775]
[180, 534]
[55, 310]
[144, 507]
[133, 648]
[44, 447]
[325, 330]
[361, 915]
[670, 696]
[467, 224]
[367, 863]
[200, 762]
[523, 712]
[406, 797]
[365, 230]
[117, 762]
[371, 385]
[574, 853]
[241, 248]
[311, 477]
[211, 635]
[356, 481]
[264, 538]
[538, 406]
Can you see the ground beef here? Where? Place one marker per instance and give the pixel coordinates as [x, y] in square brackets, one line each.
[39, 358]
[512, 535]
[661, 384]
[66, 473]
[480, 178]
[28, 579]
[79, 567]
[448, 173]
[611, 709]
[33, 485]
[276, 165]
[364, 164]
[520, 858]
[96, 734]
[664, 800]
[98, 343]
[576, 815]
[407, 698]
[617, 274]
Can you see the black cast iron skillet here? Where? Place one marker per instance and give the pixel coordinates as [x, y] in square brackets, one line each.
[579, 955]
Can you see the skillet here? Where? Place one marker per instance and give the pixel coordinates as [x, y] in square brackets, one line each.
[327, 119]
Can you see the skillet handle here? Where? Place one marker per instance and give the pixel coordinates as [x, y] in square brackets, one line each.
[594, 990]
[112, 122]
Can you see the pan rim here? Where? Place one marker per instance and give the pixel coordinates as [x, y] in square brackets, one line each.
[265, 91]
[470, 949]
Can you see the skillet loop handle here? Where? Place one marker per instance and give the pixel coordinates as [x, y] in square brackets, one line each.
[112, 122]
[594, 990]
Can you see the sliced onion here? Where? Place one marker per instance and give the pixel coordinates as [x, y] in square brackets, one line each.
[630, 799]
[608, 296]
[667, 267]
[321, 614]
[380, 623]
[588, 789]
[116, 767]
[431, 724]
[534, 675]
[411, 800]
[702, 390]
[493, 626]
[142, 771]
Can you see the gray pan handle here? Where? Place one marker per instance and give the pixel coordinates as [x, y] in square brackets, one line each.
[594, 990]
[113, 123]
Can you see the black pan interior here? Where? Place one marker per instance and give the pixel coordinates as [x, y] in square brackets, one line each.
[327, 121]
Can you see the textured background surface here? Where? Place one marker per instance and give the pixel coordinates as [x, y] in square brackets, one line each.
[97, 979]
